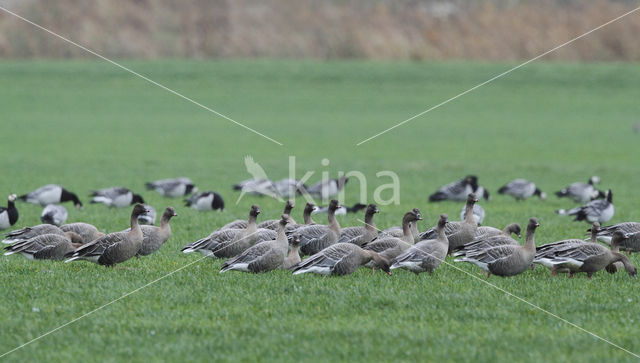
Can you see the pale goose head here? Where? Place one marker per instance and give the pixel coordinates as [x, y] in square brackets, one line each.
[284, 219]
[594, 180]
[12, 198]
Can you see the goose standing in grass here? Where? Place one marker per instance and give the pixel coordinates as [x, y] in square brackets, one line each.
[425, 255]
[26, 233]
[606, 233]
[340, 259]
[227, 243]
[457, 190]
[54, 214]
[522, 189]
[478, 213]
[264, 256]
[582, 192]
[86, 231]
[51, 194]
[315, 238]
[293, 256]
[590, 257]
[148, 218]
[489, 240]
[9, 215]
[507, 260]
[327, 188]
[631, 243]
[175, 187]
[43, 247]
[546, 253]
[113, 248]
[274, 224]
[458, 233]
[154, 237]
[391, 247]
[398, 232]
[205, 201]
[599, 210]
[362, 235]
[342, 211]
[115, 197]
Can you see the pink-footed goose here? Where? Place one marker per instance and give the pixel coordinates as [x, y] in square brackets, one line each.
[274, 224]
[390, 247]
[340, 259]
[362, 234]
[425, 255]
[315, 238]
[154, 237]
[113, 248]
[398, 231]
[27, 233]
[508, 260]
[264, 256]
[86, 230]
[484, 241]
[545, 253]
[44, 247]
[293, 256]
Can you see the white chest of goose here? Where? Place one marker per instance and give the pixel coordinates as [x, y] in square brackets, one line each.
[599, 210]
[9, 215]
[581, 192]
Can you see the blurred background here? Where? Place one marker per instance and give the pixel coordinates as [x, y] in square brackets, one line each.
[334, 29]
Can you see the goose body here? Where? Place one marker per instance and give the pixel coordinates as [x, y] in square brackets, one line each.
[115, 197]
[327, 188]
[489, 240]
[478, 213]
[9, 215]
[42, 247]
[54, 214]
[364, 234]
[86, 231]
[205, 201]
[174, 187]
[390, 247]
[293, 255]
[51, 194]
[398, 232]
[599, 210]
[113, 248]
[264, 256]
[26, 233]
[274, 224]
[606, 233]
[148, 218]
[314, 238]
[521, 189]
[306, 217]
[487, 231]
[339, 259]
[154, 237]
[425, 255]
[289, 188]
[260, 187]
[457, 190]
[458, 233]
[581, 192]
[506, 260]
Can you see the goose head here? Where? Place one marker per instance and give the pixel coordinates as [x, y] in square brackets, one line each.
[515, 228]
[443, 220]
[334, 205]
[255, 210]
[289, 206]
[595, 227]
[542, 195]
[471, 199]
[169, 212]
[310, 207]
[138, 210]
[533, 224]
[372, 209]
[618, 238]
[137, 198]
[285, 219]
[12, 197]
[594, 180]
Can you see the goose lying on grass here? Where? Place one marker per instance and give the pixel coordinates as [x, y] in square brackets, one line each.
[425, 255]
[457, 190]
[115, 197]
[315, 238]
[54, 214]
[51, 194]
[582, 192]
[599, 210]
[340, 259]
[522, 189]
[43, 247]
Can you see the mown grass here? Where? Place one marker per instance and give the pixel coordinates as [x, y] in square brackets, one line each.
[88, 125]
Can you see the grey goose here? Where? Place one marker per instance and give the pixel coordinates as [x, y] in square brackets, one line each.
[458, 233]
[148, 218]
[489, 240]
[390, 247]
[54, 214]
[488, 231]
[113, 248]
[264, 256]
[457, 190]
[327, 188]
[398, 232]
[314, 238]
[51, 194]
[606, 233]
[293, 256]
[599, 210]
[478, 213]
[26, 233]
[425, 255]
[306, 217]
[522, 189]
[581, 192]
[507, 260]
[274, 224]
[227, 243]
[340, 259]
[9, 215]
[154, 237]
[205, 201]
[590, 257]
[174, 187]
[362, 234]
[86, 231]
[43, 247]
[115, 197]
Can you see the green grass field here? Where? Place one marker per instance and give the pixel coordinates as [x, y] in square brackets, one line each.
[89, 125]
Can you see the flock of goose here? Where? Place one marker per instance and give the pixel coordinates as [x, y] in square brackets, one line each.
[250, 246]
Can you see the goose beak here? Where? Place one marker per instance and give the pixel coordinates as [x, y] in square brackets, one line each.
[476, 200]
[175, 214]
[519, 235]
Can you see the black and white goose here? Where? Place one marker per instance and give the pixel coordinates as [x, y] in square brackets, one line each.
[522, 189]
[9, 215]
[327, 188]
[482, 192]
[148, 218]
[51, 194]
[478, 213]
[582, 192]
[115, 197]
[174, 187]
[205, 201]
[599, 210]
[343, 210]
[54, 214]
[457, 190]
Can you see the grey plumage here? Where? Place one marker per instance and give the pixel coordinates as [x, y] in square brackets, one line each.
[339, 259]
[457, 190]
[581, 192]
[521, 189]
[600, 210]
[327, 188]
[398, 232]
[115, 197]
[154, 237]
[314, 238]
[26, 233]
[274, 224]
[174, 187]
[54, 214]
[390, 247]
[42, 247]
[87, 231]
[362, 234]
[478, 213]
[425, 255]
[458, 233]
[489, 240]
[606, 233]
